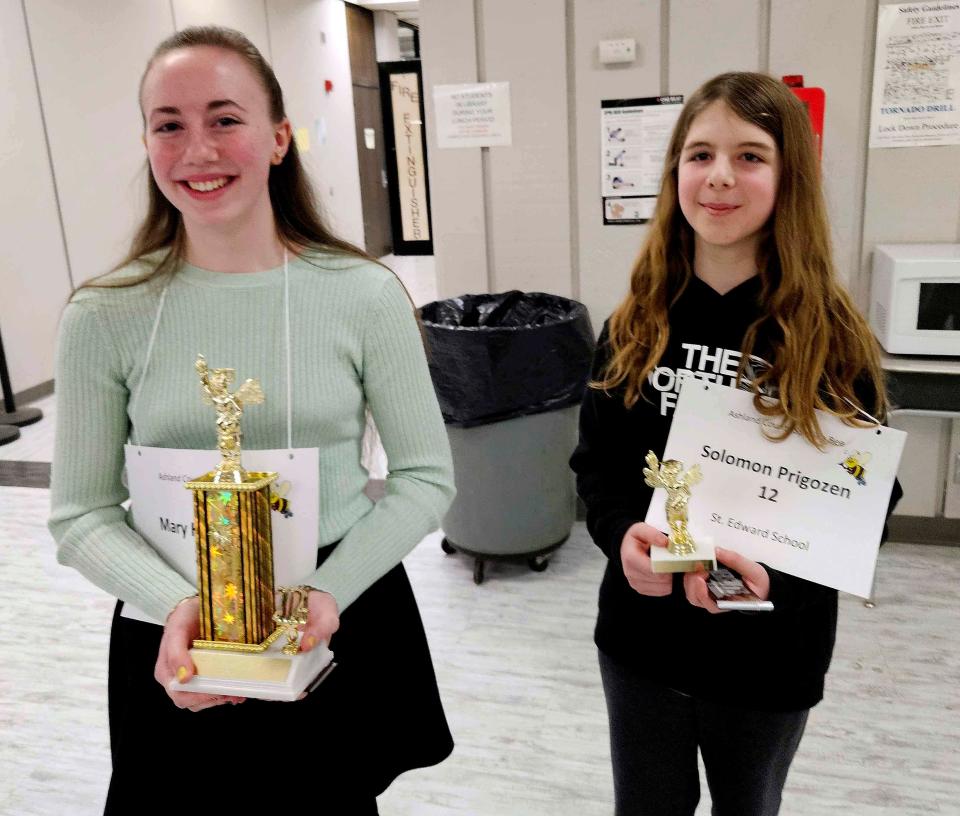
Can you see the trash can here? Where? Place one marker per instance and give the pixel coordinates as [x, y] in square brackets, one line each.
[509, 370]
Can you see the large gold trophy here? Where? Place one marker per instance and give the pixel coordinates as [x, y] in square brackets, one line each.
[684, 552]
[242, 616]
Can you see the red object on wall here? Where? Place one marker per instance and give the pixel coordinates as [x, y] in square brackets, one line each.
[814, 100]
[327, 85]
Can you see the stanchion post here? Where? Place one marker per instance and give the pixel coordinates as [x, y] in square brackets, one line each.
[10, 415]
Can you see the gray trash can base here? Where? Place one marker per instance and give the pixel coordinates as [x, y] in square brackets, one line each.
[537, 561]
[516, 496]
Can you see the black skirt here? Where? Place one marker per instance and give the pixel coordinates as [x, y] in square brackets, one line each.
[375, 716]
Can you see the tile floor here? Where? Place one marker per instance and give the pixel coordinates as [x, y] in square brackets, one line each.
[517, 669]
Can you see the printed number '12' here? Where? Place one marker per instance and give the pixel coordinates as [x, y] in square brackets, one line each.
[770, 494]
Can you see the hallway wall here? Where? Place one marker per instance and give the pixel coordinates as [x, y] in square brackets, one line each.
[504, 196]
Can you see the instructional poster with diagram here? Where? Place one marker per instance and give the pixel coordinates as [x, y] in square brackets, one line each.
[633, 142]
[916, 75]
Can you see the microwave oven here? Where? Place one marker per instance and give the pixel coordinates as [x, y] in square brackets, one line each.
[915, 298]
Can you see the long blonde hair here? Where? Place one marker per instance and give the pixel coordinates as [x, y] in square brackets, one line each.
[819, 342]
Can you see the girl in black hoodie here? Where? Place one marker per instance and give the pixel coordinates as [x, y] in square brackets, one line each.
[735, 283]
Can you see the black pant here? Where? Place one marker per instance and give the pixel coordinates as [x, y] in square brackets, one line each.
[654, 736]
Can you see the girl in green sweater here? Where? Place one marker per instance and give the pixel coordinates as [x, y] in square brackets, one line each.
[233, 260]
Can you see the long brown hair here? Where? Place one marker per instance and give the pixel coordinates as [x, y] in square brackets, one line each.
[819, 342]
[295, 211]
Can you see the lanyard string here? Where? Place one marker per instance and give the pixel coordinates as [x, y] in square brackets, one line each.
[286, 326]
[146, 362]
[860, 410]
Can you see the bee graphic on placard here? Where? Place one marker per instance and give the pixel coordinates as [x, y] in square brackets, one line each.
[856, 465]
[278, 499]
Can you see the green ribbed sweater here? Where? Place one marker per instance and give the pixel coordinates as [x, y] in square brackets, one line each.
[354, 342]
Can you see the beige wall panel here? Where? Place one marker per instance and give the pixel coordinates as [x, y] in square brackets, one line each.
[309, 43]
[606, 253]
[831, 44]
[90, 55]
[529, 181]
[449, 56]
[248, 16]
[708, 38]
[911, 196]
[923, 467]
[34, 282]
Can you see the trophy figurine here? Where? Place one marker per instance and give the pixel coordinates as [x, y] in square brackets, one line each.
[683, 553]
[239, 650]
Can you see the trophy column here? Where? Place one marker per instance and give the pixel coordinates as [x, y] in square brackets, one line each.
[234, 561]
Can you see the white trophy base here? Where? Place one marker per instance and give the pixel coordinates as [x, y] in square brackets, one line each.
[268, 675]
[662, 560]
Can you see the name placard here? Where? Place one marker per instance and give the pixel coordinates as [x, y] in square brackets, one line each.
[815, 514]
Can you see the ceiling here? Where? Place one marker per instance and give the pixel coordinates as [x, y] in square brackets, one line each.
[406, 10]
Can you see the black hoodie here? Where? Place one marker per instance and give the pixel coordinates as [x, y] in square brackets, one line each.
[772, 661]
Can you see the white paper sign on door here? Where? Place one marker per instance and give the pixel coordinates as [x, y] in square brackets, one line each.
[814, 514]
[163, 508]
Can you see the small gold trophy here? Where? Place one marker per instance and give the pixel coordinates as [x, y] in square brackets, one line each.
[238, 651]
[683, 553]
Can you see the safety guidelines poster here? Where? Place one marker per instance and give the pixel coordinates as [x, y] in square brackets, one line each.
[916, 75]
[634, 134]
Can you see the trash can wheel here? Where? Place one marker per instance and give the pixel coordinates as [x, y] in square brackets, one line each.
[538, 563]
[478, 571]
[446, 546]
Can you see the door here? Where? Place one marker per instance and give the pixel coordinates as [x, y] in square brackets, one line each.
[369, 131]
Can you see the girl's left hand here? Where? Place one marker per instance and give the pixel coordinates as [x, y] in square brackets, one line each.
[323, 619]
[751, 573]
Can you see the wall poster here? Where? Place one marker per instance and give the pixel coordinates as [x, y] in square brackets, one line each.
[476, 114]
[406, 143]
[916, 75]
[634, 134]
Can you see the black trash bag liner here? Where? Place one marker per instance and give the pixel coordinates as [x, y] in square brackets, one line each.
[496, 357]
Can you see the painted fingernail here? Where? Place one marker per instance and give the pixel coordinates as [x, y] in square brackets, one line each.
[311, 641]
[182, 673]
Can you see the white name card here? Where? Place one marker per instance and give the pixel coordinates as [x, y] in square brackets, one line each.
[814, 514]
